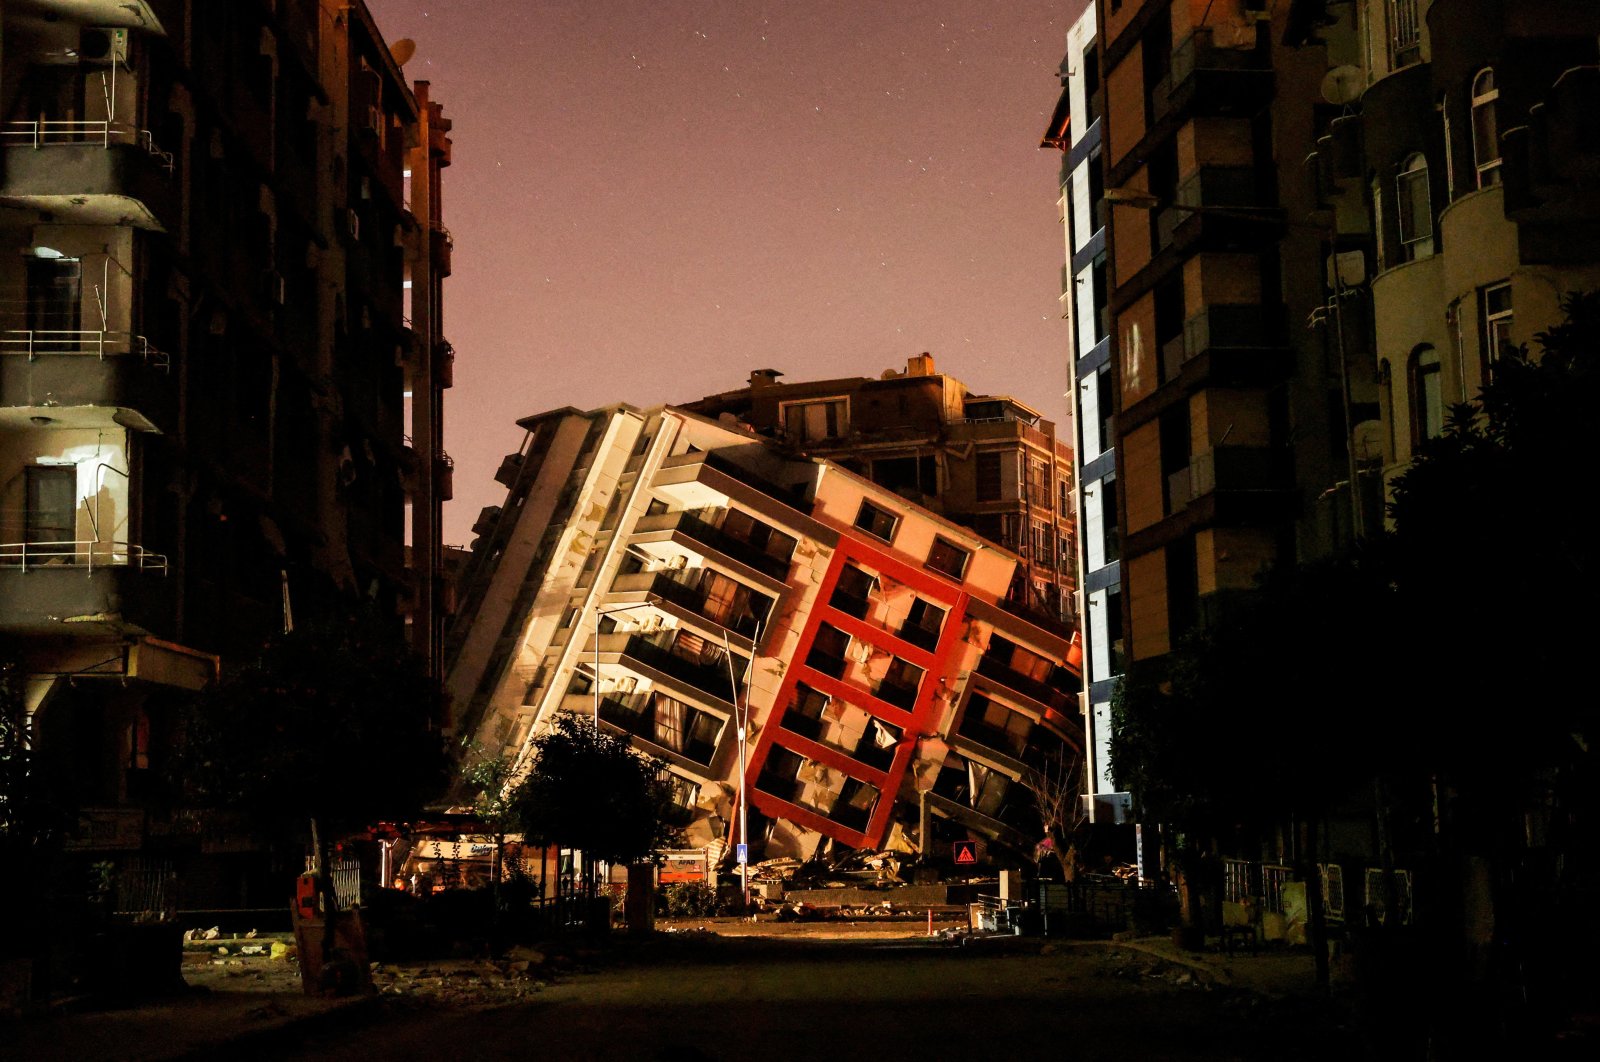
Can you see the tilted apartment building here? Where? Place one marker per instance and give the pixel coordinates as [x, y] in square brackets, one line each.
[665, 573]
[220, 352]
[987, 462]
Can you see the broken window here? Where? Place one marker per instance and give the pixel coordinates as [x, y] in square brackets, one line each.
[852, 594]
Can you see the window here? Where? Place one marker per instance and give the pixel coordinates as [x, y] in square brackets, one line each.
[922, 624]
[54, 294]
[812, 421]
[1427, 399]
[1416, 211]
[878, 523]
[1495, 310]
[1063, 494]
[1485, 129]
[852, 594]
[1405, 33]
[900, 684]
[948, 558]
[52, 503]
[989, 477]
[828, 650]
[1110, 538]
[1382, 249]
[1042, 540]
[1038, 482]
[804, 716]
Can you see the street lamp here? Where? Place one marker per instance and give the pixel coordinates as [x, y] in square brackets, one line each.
[1142, 200]
[741, 716]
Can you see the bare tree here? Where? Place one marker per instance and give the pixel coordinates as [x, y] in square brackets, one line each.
[1057, 786]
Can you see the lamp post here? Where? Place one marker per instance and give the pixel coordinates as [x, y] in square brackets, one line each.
[1140, 200]
[741, 715]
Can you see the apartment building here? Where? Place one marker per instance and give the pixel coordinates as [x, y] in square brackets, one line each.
[988, 462]
[1239, 357]
[1469, 139]
[222, 264]
[667, 574]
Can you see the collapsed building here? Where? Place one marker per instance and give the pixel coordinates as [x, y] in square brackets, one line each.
[667, 573]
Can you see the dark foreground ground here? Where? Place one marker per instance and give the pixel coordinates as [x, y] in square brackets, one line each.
[692, 997]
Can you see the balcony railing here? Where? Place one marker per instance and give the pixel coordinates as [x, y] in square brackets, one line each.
[710, 678]
[82, 554]
[993, 737]
[101, 344]
[56, 132]
[1002, 673]
[737, 548]
[694, 599]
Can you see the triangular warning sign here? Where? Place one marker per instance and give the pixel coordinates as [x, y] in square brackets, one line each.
[966, 853]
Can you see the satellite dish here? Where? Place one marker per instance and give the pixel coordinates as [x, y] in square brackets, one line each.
[403, 49]
[1342, 84]
[1367, 438]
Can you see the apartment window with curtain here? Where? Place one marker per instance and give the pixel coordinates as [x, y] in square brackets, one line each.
[1485, 128]
[1416, 209]
[1427, 396]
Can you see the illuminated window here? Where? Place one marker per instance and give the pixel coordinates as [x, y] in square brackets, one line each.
[1485, 130]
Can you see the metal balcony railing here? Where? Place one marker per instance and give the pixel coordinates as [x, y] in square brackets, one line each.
[733, 546]
[56, 132]
[707, 676]
[99, 343]
[87, 554]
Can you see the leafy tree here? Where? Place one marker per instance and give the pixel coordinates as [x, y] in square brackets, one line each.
[1496, 556]
[588, 789]
[332, 724]
[33, 814]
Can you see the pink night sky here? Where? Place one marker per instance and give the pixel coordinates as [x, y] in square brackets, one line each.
[650, 198]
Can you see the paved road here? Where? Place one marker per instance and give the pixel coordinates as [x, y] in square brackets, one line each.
[773, 1000]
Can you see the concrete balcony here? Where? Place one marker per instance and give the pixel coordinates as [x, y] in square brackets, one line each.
[82, 588]
[88, 173]
[108, 369]
[1209, 78]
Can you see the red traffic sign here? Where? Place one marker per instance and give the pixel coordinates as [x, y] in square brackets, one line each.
[965, 852]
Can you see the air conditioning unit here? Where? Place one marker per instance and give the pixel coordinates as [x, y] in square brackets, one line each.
[104, 44]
